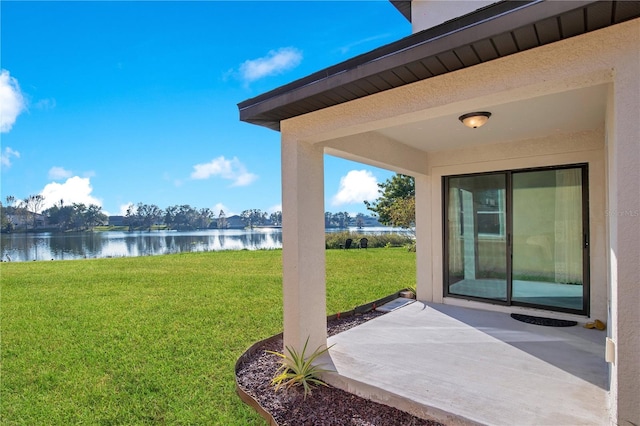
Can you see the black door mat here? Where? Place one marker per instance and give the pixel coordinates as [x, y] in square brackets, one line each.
[548, 322]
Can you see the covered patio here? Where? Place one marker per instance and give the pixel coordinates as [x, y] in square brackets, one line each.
[433, 360]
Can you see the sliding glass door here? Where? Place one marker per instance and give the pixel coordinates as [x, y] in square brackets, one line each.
[477, 223]
[548, 238]
[518, 237]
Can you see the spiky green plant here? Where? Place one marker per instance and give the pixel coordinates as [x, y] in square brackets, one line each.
[298, 370]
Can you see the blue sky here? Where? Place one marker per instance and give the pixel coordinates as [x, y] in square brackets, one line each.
[121, 102]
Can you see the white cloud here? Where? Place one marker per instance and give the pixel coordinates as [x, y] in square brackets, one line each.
[276, 208]
[244, 178]
[5, 156]
[219, 206]
[59, 173]
[45, 104]
[11, 101]
[125, 207]
[73, 190]
[357, 186]
[345, 49]
[231, 169]
[275, 62]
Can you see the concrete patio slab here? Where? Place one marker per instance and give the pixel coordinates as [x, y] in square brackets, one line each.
[467, 366]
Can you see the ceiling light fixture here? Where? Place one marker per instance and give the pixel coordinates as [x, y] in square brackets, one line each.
[475, 119]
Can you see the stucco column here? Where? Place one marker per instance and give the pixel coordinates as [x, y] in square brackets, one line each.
[623, 212]
[424, 278]
[303, 244]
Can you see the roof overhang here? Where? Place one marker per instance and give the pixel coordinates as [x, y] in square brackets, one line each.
[496, 31]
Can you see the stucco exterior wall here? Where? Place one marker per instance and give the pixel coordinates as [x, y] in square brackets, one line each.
[623, 220]
[429, 13]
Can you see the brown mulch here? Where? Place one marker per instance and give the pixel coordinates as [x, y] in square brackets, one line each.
[326, 405]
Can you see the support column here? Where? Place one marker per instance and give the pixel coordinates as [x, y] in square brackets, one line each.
[424, 277]
[623, 212]
[303, 241]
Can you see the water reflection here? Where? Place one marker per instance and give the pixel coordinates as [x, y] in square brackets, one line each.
[68, 245]
[62, 246]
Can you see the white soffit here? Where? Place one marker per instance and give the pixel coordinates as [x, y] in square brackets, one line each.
[559, 113]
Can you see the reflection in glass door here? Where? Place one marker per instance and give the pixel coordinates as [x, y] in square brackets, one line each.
[548, 238]
[476, 236]
[518, 237]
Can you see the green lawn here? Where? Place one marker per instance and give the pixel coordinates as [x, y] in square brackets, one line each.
[154, 340]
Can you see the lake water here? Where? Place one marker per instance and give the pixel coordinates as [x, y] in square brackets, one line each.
[66, 246]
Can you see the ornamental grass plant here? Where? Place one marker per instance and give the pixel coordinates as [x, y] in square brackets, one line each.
[154, 340]
[298, 369]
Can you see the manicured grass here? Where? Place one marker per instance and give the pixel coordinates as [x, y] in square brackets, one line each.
[154, 340]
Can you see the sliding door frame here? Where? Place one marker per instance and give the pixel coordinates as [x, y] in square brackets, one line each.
[508, 176]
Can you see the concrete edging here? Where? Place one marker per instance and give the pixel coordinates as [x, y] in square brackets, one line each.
[245, 397]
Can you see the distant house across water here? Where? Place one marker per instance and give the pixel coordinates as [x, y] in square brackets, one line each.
[116, 221]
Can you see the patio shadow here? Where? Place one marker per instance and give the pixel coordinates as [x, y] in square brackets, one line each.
[576, 350]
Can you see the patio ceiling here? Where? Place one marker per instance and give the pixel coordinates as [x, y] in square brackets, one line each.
[560, 113]
[499, 30]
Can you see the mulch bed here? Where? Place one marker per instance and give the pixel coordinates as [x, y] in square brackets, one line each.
[326, 405]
